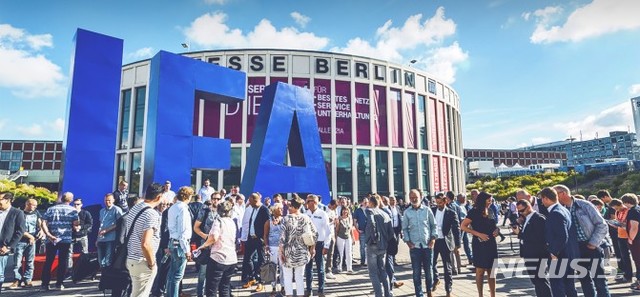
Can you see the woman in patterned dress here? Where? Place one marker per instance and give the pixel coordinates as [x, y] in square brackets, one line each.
[293, 252]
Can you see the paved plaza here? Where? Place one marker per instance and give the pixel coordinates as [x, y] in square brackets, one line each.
[358, 284]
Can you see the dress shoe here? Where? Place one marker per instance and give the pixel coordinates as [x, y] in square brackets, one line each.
[259, 288]
[435, 285]
[249, 284]
[28, 285]
[306, 293]
[14, 285]
[398, 284]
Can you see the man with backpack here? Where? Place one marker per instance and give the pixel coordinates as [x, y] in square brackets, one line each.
[204, 220]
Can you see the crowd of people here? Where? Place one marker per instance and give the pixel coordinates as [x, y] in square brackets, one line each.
[300, 234]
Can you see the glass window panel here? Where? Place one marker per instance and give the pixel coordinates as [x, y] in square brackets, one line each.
[232, 176]
[382, 173]
[124, 119]
[121, 169]
[16, 156]
[136, 171]
[398, 175]
[413, 171]
[139, 116]
[326, 155]
[5, 156]
[14, 166]
[364, 172]
[425, 174]
[421, 121]
[345, 185]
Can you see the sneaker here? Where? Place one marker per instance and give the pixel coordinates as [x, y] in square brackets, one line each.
[15, 285]
[330, 276]
[259, 288]
[349, 271]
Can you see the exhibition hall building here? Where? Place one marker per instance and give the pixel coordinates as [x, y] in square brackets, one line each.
[384, 127]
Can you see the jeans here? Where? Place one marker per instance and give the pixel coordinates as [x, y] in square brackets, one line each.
[329, 264]
[219, 279]
[288, 275]
[252, 260]
[160, 280]
[141, 277]
[389, 269]
[377, 273]
[105, 252]
[421, 261]
[202, 279]
[363, 251]
[3, 264]
[594, 257]
[176, 270]
[84, 244]
[467, 246]
[308, 275]
[29, 252]
[62, 249]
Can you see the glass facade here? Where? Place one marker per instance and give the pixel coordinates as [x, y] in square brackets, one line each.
[425, 174]
[139, 117]
[121, 169]
[363, 173]
[124, 119]
[398, 175]
[232, 176]
[382, 172]
[136, 170]
[343, 168]
[413, 170]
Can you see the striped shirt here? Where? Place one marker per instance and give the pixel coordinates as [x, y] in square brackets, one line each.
[150, 219]
[60, 218]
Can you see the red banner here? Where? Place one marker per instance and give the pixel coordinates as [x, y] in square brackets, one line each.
[395, 117]
[442, 129]
[435, 171]
[410, 114]
[444, 174]
[363, 136]
[433, 119]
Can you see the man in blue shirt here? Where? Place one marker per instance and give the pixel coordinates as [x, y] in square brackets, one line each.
[58, 222]
[361, 222]
[420, 237]
[109, 215]
[27, 245]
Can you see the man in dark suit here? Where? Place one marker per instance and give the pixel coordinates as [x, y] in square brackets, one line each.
[12, 228]
[561, 244]
[532, 249]
[255, 215]
[447, 241]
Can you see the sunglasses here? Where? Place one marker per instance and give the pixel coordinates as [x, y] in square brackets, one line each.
[77, 204]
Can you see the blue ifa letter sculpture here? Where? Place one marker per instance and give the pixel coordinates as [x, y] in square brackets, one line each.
[171, 150]
[287, 117]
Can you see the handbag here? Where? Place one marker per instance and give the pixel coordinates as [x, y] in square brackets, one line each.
[116, 276]
[308, 237]
[268, 270]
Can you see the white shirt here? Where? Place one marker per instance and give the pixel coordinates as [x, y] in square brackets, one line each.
[394, 216]
[244, 236]
[526, 221]
[238, 213]
[205, 193]
[321, 221]
[439, 219]
[333, 216]
[168, 196]
[512, 207]
[179, 224]
[3, 217]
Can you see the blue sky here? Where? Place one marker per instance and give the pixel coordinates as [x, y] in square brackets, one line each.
[527, 72]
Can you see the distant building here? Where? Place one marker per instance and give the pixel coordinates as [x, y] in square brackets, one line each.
[619, 144]
[512, 157]
[39, 161]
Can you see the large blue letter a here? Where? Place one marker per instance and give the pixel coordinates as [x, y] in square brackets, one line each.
[287, 117]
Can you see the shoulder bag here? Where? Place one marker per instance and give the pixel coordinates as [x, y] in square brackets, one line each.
[116, 276]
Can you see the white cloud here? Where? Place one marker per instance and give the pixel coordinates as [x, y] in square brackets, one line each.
[23, 69]
[539, 140]
[3, 123]
[57, 125]
[594, 19]
[300, 19]
[219, 2]
[210, 30]
[411, 41]
[143, 53]
[634, 90]
[442, 62]
[615, 118]
[31, 131]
